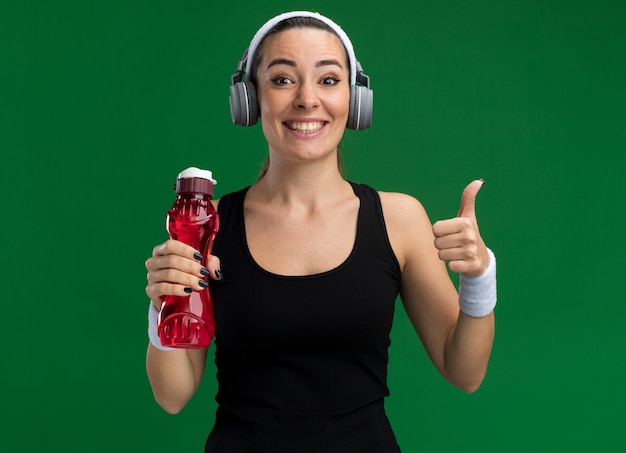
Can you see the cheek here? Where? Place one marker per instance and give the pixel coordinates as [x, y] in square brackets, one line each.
[271, 105]
[341, 104]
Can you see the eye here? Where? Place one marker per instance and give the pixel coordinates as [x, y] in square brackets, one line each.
[281, 81]
[330, 81]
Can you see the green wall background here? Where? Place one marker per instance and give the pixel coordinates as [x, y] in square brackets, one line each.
[103, 102]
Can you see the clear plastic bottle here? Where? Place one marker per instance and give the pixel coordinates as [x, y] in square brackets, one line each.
[188, 321]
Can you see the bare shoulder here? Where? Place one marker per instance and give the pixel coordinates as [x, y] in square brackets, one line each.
[408, 225]
[402, 209]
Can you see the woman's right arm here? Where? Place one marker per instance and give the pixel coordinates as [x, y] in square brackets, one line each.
[175, 375]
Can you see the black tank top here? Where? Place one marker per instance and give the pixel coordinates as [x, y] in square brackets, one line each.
[303, 346]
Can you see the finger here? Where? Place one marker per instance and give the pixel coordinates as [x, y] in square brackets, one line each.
[156, 291]
[451, 226]
[174, 247]
[462, 253]
[213, 266]
[465, 261]
[466, 237]
[459, 266]
[450, 241]
[468, 199]
[177, 277]
[180, 263]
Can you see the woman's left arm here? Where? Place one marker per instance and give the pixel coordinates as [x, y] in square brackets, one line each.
[459, 345]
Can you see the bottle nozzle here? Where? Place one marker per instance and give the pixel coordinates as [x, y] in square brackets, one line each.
[195, 180]
[195, 172]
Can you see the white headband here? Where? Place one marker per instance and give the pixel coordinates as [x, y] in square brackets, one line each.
[272, 22]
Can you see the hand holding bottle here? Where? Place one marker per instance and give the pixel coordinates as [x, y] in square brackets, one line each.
[175, 269]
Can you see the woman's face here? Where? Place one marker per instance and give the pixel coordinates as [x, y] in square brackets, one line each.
[303, 91]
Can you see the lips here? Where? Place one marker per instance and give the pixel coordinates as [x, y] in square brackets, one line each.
[306, 127]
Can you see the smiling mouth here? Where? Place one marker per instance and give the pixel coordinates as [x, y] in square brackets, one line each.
[305, 127]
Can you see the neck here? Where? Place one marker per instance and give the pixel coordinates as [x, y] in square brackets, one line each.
[300, 184]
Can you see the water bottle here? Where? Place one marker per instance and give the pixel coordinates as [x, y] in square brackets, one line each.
[188, 321]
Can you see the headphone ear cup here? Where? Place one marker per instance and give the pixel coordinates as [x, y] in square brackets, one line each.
[238, 104]
[253, 103]
[361, 108]
[244, 109]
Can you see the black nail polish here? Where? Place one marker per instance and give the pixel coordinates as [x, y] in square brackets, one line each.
[204, 271]
[203, 284]
[198, 256]
[219, 274]
[188, 290]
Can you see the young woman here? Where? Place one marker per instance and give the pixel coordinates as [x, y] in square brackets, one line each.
[307, 267]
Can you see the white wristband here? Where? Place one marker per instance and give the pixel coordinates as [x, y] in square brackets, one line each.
[153, 335]
[478, 295]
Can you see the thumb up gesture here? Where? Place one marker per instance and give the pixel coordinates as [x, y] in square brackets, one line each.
[458, 240]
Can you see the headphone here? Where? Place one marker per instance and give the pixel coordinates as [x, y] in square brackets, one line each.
[244, 107]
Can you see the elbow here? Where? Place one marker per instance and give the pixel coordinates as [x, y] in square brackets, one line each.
[170, 402]
[465, 383]
[172, 410]
[169, 406]
[470, 387]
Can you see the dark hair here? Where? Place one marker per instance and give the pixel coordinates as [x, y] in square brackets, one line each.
[287, 24]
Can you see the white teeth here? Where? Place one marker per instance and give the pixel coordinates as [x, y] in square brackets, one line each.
[306, 127]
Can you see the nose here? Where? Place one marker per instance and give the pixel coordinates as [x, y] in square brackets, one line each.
[306, 97]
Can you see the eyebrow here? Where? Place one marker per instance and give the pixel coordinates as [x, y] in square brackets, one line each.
[319, 64]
